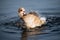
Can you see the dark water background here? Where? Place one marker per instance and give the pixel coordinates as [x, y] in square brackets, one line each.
[9, 17]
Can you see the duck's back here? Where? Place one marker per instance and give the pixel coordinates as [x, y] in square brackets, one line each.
[32, 20]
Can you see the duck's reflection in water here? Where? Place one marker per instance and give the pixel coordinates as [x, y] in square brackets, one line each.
[25, 34]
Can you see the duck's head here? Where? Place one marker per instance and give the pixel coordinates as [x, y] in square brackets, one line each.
[21, 12]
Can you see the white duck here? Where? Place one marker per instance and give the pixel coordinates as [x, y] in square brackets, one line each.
[31, 19]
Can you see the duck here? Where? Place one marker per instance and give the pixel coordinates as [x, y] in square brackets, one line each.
[31, 19]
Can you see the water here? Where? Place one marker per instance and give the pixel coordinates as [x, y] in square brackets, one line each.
[9, 17]
[49, 31]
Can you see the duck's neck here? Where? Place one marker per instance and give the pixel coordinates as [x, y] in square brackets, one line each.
[20, 15]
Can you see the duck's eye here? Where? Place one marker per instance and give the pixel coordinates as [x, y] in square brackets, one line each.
[20, 10]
